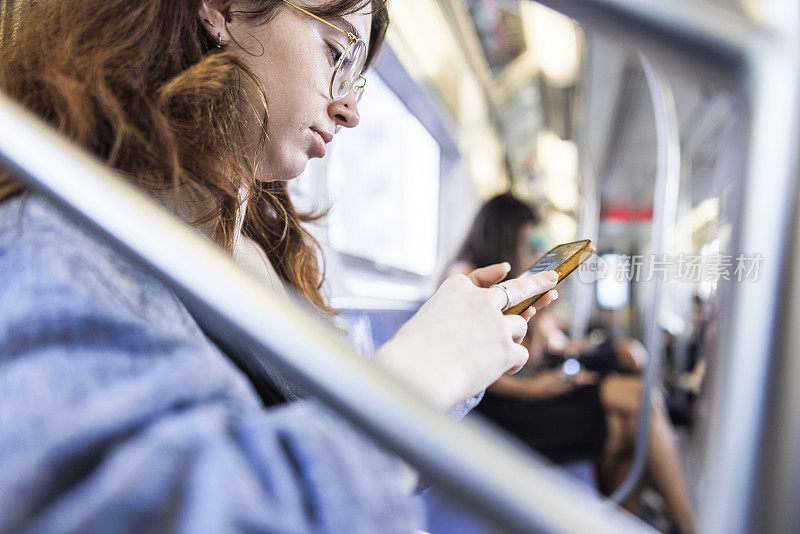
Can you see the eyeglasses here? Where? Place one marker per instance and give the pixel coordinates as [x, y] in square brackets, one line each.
[347, 72]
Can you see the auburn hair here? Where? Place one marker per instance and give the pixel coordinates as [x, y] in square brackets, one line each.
[142, 85]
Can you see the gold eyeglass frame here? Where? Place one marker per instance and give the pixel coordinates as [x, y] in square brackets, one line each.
[357, 87]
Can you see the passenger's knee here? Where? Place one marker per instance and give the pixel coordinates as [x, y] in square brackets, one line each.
[622, 393]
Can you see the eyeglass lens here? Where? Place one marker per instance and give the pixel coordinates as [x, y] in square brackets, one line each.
[348, 69]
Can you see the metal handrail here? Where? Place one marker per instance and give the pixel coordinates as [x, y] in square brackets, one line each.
[518, 493]
[762, 62]
[262, 330]
[701, 33]
[665, 203]
[766, 202]
[589, 221]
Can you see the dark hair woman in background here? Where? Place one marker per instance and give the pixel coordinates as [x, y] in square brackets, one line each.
[569, 418]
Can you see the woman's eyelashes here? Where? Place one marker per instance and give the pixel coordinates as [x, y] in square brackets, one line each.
[335, 54]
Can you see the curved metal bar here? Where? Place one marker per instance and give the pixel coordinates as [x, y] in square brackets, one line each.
[261, 329]
[755, 335]
[775, 504]
[665, 205]
[699, 32]
[763, 62]
[589, 223]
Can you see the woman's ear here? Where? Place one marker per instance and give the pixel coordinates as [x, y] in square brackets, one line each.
[213, 14]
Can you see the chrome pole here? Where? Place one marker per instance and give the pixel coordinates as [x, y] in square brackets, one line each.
[665, 205]
[262, 330]
[589, 223]
[735, 448]
[761, 59]
[698, 33]
[777, 488]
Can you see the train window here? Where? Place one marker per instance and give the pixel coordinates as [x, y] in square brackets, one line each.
[383, 180]
[612, 289]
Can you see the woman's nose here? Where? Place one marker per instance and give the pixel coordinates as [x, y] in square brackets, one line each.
[344, 112]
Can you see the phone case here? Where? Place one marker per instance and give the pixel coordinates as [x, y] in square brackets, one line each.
[563, 271]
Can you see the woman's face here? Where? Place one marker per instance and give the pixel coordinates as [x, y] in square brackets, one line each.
[525, 253]
[295, 69]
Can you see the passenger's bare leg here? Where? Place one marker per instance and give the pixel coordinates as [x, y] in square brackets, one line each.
[621, 394]
[631, 355]
[665, 470]
[621, 397]
[615, 461]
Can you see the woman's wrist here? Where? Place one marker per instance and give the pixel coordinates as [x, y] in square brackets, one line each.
[436, 386]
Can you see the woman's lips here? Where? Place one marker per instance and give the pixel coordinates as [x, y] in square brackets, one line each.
[327, 137]
[321, 139]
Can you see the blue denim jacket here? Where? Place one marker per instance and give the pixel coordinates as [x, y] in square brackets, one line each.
[117, 414]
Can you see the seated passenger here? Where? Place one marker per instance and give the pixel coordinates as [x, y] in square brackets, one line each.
[117, 413]
[591, 415]
[684, 380]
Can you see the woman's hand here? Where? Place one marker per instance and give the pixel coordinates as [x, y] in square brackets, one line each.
[459, 342]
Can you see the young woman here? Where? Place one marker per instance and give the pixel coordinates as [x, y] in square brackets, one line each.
[587, 416]
[116, 412]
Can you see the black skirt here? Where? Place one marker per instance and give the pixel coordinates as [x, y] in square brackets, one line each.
[567, 428]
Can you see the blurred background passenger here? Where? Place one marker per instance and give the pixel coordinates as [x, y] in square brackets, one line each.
[570, 416]
[684, 388]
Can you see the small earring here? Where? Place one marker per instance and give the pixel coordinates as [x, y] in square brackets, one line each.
[219, 40]
[208, 22]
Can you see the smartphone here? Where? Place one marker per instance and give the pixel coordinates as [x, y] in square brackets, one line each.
[562, 259]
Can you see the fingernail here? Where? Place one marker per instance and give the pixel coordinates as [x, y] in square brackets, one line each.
[507, 266]
[555, 294]
[552, 275]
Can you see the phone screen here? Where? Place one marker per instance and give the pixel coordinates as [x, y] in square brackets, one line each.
[554, 258]
[563, 259]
